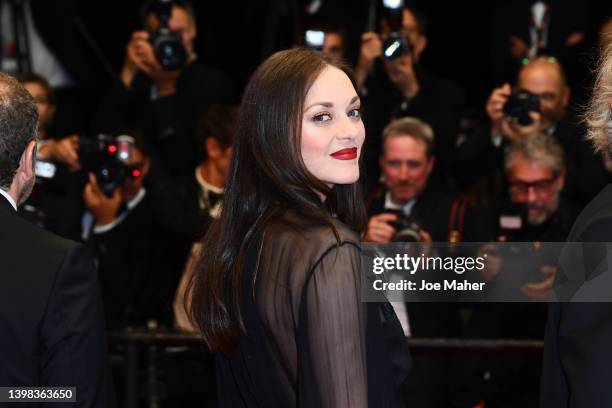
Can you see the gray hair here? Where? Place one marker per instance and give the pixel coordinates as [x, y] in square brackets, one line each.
[18, 126]
[539, 148]
[598, 115]
[411, 127]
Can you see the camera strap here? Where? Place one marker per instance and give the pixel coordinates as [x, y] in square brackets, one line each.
[455, 222]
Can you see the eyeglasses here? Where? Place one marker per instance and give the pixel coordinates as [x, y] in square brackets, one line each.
[540, 187]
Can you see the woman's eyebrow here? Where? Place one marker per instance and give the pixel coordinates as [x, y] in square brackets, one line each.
[324, 104]
[330, 104]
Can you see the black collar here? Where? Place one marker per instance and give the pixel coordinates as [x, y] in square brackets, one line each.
[4, 203]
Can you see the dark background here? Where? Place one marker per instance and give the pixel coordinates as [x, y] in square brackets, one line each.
[236, 35]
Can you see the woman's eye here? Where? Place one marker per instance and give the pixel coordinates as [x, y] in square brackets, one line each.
[321, 117]
[355, 113]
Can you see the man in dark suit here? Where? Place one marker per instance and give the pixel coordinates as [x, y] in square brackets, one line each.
[577, 353]
[51, 317]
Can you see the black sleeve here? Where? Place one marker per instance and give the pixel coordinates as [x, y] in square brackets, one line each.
[73, 338]
[122, 106]
[577, 351]
[333, 321]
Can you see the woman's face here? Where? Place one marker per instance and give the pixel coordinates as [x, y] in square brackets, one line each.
[332, 130]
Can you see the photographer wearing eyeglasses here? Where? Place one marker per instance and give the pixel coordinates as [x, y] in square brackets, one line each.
[535, 173]
[539, 102]
[535, 212]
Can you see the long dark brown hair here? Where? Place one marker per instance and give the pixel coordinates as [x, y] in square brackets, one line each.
[267, 173]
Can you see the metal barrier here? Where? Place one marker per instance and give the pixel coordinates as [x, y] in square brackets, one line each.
[132, 341]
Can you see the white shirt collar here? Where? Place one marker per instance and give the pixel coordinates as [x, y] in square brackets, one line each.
[9, 198]
[206, 186]
[405, 208]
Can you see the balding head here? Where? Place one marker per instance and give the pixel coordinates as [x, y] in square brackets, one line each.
[545, 77]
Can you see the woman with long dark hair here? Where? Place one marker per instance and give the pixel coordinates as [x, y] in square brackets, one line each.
[276, 293]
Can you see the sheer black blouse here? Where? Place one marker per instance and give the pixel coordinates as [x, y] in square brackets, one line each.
[310, 341]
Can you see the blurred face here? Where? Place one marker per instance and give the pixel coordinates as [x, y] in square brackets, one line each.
[138, 168]
[220, 156]
[333, 45]
[332, 130]
[180, 22]
[45, 109]
[543, 79]
[406, 167]
[536, 186]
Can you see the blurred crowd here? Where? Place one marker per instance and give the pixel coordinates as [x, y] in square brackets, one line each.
[136, 170]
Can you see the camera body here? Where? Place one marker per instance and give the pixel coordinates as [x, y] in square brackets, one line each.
[167, 44]
[106, 156]
[518, 106]
[406, 227]
[394, 44]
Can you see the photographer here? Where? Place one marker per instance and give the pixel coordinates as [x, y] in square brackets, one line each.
[163, 87]
[535, 173]
[119, 229]
[407, 162]
[397, 86]
[405, 200]
[538, 103]
[327, 38]
[186, 207]
[55, 203]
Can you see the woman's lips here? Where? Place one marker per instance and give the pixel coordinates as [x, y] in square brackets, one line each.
[345, 154]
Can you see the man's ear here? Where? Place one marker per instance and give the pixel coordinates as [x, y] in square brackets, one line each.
[419, 46]
[146, 166]
[567, 93]
[27, 162]
[561, 180]
[430, 164]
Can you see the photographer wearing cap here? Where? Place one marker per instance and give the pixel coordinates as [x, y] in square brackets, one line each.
[393, 84]
[163, 87]
[51, 316]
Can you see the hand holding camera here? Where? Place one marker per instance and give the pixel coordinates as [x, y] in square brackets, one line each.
[63, 150]
[139, 55]
[514, 114]
[542, 290]
[395, 227]
[102, 207]
[371, 49]
[380, 229]
[159, 53]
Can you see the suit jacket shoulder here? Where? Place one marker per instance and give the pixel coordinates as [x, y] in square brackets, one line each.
[50, 303]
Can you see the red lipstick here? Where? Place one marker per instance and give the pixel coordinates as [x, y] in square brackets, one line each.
[345, 154]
